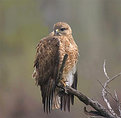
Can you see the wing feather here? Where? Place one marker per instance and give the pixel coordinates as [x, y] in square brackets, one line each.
[46, 66]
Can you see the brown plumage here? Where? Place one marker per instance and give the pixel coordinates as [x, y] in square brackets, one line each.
[49, 57]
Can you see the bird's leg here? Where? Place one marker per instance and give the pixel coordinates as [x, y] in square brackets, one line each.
[64, 85]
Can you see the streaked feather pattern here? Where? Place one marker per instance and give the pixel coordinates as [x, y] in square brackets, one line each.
[47, 65]
[49, 56]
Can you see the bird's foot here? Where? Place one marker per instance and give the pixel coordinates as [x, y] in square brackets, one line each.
[62, 85]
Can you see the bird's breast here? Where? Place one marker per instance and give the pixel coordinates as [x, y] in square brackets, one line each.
[69, 48]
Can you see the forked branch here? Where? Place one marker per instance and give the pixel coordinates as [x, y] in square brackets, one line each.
[100, 110]
[105, 92]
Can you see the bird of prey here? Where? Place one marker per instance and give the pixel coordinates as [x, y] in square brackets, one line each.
[49, 56]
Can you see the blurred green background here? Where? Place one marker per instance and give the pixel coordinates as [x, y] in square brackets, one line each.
[96, 26]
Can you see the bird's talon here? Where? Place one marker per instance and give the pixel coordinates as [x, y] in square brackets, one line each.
[63, 83]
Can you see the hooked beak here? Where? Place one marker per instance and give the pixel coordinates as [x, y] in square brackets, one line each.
[57, 31]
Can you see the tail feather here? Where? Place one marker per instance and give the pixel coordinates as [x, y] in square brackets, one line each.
[56, 101]
[47, 92]
[69, 96]
[67, 99]
[74, 85]
[53, 98]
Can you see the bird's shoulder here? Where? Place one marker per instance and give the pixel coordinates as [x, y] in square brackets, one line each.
[48, 43]
[46, 60]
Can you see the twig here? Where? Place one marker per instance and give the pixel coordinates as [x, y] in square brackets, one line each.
[107, 91]
[109, 79]
[104, 69]
[92, 114]
[118, 103]
[104, 92]
[114, 77]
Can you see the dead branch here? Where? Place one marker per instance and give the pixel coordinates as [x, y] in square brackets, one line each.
[118, 103]
[105, 92]
[87, 101]
[100, 110]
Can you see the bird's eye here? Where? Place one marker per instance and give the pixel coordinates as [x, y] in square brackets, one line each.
[62, 29]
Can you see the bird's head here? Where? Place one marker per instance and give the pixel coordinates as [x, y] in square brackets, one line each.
[62, 28]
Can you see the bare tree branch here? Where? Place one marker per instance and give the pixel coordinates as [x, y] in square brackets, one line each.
[118, 103]
[109, 79]
[87, 101]
[104, 91]
[100, 110]
[104, 69]
[107, 91]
